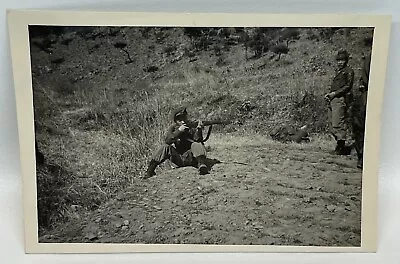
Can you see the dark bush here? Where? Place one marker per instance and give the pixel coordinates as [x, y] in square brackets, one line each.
[280, 49]
[290, 34]
[170, 49]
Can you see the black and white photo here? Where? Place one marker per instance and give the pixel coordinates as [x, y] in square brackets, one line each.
[200, 135]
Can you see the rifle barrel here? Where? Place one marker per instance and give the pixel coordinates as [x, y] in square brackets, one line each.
[206, 123]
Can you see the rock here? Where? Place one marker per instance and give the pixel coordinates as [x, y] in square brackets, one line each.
[331, 208]
[124, 228]
[98, 220]
[57, 60]
[91, 236]
[157, 208]
[126, 222]
[118, 225]
[74, 207]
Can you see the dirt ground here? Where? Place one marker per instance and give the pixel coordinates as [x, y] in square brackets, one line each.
[259, 192]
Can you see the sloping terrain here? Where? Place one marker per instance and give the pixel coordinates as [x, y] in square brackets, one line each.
[258, 192]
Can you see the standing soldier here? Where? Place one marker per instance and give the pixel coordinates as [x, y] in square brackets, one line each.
[360, 107]
[181, 146]
[340, 98]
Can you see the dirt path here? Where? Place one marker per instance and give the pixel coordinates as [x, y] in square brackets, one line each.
[262, 192]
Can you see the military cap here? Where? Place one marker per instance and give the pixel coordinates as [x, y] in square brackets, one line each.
[342, 55]
[179, 112]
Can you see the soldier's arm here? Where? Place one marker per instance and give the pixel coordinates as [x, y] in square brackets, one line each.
[348, 86]
[172, 135]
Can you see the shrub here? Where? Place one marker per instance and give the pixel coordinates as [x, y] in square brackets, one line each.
[289, 35]
[280, 49]
[312, 110]
[170, 49]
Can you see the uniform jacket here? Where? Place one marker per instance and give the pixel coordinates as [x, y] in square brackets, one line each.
[342, 83]
[182, 139]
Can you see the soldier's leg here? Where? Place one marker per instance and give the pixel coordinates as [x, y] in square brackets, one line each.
[359, 146]
[200, 154]
[339, 123]
[163, 153]
[358, 126]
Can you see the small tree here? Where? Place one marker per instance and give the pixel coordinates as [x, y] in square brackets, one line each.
[122, 46]
[245, 39]
[280, 49]
[259, 44]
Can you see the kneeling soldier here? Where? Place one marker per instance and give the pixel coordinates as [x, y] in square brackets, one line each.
[182, 146]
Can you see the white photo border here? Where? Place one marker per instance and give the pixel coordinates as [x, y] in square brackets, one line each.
[18, 23]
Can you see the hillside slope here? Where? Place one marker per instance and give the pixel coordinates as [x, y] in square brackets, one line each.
[260, 192]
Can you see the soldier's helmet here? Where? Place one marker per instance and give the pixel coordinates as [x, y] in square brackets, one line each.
[342, 55]
[179, 113]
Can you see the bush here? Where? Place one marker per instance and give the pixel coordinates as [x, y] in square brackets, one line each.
[312, 110]
[289, 35]
[280, 49]
[170, 49]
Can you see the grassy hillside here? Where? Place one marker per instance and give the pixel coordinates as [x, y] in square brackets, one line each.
[103, 97]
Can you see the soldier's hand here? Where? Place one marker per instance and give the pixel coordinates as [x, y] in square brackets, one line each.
[183, 128]
[200, 124]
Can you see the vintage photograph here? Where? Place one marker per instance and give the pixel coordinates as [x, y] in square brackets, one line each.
[200, 135]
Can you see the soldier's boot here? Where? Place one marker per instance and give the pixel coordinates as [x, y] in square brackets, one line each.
[201, 161]
[151, 169]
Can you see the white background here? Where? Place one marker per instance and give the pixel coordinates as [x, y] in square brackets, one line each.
[11, 231]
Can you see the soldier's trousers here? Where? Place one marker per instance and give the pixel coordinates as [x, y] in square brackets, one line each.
[358, 124]
[181, 160]
[338, 115]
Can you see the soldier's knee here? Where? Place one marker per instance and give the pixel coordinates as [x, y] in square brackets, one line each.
[198, 146]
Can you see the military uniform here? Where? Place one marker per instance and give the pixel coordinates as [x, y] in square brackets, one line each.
[341, 88]
[181, 147]
[359, 111]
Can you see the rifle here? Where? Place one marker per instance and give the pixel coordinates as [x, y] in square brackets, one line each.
[209, 123]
